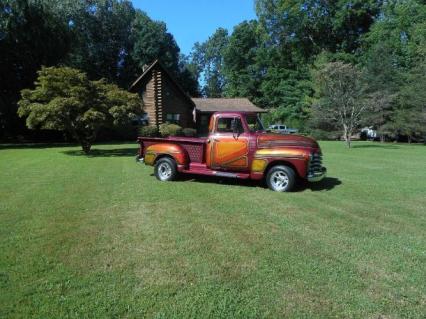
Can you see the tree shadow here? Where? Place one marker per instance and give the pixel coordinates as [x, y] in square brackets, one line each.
[4, 146]
[35, 145]
[119, 152]
[384, 146]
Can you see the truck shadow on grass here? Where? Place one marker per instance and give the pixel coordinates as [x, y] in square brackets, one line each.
[326, 184]
[119, 152]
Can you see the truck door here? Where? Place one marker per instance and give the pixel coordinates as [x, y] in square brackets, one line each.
[229, 145]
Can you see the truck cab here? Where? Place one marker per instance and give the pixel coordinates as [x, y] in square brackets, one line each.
[237, 146]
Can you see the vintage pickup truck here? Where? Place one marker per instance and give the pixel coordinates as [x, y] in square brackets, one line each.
[237, 146]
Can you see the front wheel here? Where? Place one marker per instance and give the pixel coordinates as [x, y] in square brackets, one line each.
[281, 178]
[165, 169]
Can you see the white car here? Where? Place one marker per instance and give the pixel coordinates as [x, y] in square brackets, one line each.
[282, 129]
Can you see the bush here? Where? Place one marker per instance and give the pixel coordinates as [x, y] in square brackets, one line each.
[325, 135]
[189, 132]
[148, 131]
[167, 129]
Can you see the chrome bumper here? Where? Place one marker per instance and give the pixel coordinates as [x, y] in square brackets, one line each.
[318, 176]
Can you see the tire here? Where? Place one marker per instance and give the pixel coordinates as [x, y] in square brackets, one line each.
[281, 178]
[165, 169]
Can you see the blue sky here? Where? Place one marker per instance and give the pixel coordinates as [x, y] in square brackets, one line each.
[195, 20]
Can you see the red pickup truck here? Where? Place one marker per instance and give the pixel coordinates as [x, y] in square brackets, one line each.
[237, 146]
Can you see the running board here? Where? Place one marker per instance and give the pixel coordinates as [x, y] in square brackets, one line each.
[225, 174]
[210, 172]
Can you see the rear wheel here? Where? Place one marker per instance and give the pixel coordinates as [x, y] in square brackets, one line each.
[165, 169]
[281, 178]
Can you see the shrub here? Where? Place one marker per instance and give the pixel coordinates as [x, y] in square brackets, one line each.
[189, 132]
[148, 131]
[167, 129]
[324, 135]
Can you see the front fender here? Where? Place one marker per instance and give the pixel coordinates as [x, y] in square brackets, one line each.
[179, 154]
[298, 158]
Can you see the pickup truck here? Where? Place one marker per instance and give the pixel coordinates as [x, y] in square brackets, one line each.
[238, 147]
[283, 129]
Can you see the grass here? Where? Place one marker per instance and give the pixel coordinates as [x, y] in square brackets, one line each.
[99, 236]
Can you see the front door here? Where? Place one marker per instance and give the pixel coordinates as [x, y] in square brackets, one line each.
[229, 149]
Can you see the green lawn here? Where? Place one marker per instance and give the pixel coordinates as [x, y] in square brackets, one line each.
[100, 237]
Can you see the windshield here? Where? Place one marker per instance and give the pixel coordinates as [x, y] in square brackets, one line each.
[254, 123]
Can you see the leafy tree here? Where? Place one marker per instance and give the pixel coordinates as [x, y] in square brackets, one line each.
[394, 61]
[208, 57]
[31, 35]
[340, 95]
[410, 117]
[241, 68]
[101, 32]
[151, 41]
[383, 80]
[306, 27]
[188, 76]
[65, 99]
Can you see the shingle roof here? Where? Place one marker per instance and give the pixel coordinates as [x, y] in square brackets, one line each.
[225, 104]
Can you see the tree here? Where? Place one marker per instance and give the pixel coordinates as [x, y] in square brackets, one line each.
[307, 27]
[65, 99]
[384, 79]
[242, 71]
[31, 34]
[100, 32]
[340, 93]
[409, 119]
[208, 57]
[152, 41]
[394, 60]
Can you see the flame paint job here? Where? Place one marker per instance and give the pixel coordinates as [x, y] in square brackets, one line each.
[279, 140]
[228, 152]
[259, 165]
[174, 150]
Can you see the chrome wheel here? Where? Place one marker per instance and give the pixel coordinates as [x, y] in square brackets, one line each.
[279, 180]
[164, 171]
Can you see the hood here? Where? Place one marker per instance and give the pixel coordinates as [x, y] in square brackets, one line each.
[280, 140]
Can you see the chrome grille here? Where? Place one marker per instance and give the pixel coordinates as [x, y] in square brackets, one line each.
[315, 164]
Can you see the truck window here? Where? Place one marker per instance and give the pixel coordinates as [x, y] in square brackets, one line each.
[224, 125]
[254, 123]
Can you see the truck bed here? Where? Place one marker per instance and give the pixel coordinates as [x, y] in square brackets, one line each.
[193, 145]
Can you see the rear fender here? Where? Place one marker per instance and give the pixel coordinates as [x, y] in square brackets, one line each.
[177, 152]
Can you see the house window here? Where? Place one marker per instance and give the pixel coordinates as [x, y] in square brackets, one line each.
[173, 118]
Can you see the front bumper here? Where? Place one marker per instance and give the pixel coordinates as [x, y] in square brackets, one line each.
[318, 175]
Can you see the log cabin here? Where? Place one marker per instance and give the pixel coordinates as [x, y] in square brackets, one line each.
[166, 101]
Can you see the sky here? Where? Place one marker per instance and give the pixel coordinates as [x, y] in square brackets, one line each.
[195, 20]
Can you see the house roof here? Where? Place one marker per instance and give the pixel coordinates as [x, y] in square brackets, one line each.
[226, 104]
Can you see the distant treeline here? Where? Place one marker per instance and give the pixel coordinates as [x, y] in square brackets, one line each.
[279, 60]
[305, 61]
